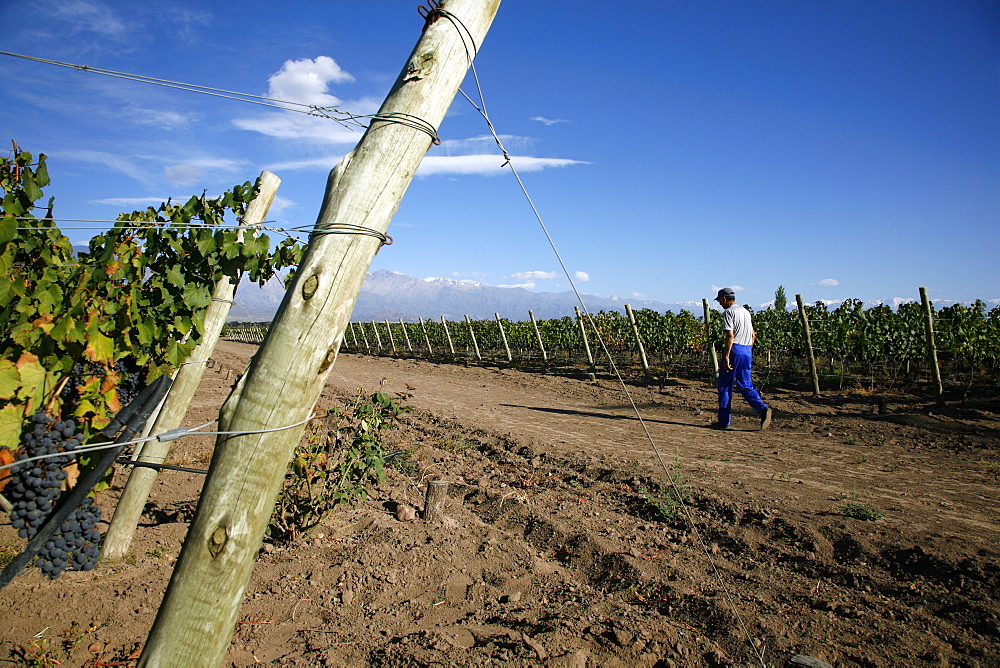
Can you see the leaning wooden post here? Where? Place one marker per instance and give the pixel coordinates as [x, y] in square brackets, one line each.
[472, 333]
[809, 344]
[586, 344]
[354, 337]
[406, 334]
[392, 341]
[638, 341]
[277, 395]
[378, 337]
[538, 335]
[451, 346]
[932, 357]
[713, 355]
[430, 351]
[140, 482]
[503, 336]
[364, 337]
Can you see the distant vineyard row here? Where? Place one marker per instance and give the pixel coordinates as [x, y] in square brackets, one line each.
[849, 336]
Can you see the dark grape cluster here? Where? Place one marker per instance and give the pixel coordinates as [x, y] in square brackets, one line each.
[131, 379]
[75, 544]
[34, 490]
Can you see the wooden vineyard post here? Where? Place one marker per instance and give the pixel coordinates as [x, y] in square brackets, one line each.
[503, 336]
[713, 355]
[354, 337]
[586, 344]
[364, 337]
[392, 341]
[638, 341]
[277, 395]
[378, 337]
[932, 357]
[140, 482]
[430, 351]
[406, 334]
[472, 333]
[451, 346]
[538, 335]
[809, 344]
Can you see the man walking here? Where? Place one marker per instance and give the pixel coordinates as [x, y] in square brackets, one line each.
[736, 364]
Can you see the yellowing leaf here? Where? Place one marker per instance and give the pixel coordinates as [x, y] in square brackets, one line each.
[10, 380]
[100, 348]
[35, 380]
[11, 420]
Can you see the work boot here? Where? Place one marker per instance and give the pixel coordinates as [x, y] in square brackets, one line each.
[765, 419]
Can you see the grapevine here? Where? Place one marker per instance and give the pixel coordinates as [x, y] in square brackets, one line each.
[34, 490]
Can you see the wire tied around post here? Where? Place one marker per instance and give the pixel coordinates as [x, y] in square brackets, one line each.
[347, 228]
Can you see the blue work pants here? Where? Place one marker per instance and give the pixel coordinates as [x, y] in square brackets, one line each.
[741, 357]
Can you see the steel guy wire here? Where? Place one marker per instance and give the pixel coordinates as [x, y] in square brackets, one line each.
[345, 118]
[170, 435]
[482, 111]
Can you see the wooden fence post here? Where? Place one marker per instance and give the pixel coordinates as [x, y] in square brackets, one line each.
[472, 333]
[503, 335]
[638, 342]
[451, 346]
[586, 344]
[409, 346]
[140, 481]
[932, 357]
[430, 351]
[378, 337]
[809, 344]
[364, 337]
[538, 335]
[354, 336]
[713, 355]
[278, 393]
[392, 341]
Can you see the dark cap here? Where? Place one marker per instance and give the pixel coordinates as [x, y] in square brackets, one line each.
[726, 293]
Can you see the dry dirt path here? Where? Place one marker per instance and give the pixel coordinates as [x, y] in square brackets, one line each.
[559, 549]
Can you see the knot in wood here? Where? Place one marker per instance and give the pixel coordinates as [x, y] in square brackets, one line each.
[419, 67]
[218, 540]
[310, 286]
[331, 357]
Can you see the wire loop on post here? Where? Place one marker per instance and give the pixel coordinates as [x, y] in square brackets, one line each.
[347, 228]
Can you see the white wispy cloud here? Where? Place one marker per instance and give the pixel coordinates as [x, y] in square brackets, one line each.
[184, 175]
[129, 203]
[533, 275]
[486, 164]
[90, 16]
[637, 295]
[158, 118]
[548, 121]
[112, 161]
[581, 276]
[735, 288]
[307, 82]
[827, 282]
[527, 285]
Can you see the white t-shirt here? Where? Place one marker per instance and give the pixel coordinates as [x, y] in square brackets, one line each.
[737, 319]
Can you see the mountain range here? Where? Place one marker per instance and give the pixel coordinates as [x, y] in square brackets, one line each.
[387, 295]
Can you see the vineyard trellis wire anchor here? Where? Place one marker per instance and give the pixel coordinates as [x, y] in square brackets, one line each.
[346, 228]
[167, 467]
[123, 427]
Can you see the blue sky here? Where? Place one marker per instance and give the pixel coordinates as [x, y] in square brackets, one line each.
[838, 148]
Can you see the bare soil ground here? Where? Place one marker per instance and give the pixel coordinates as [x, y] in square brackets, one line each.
[559, 548]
